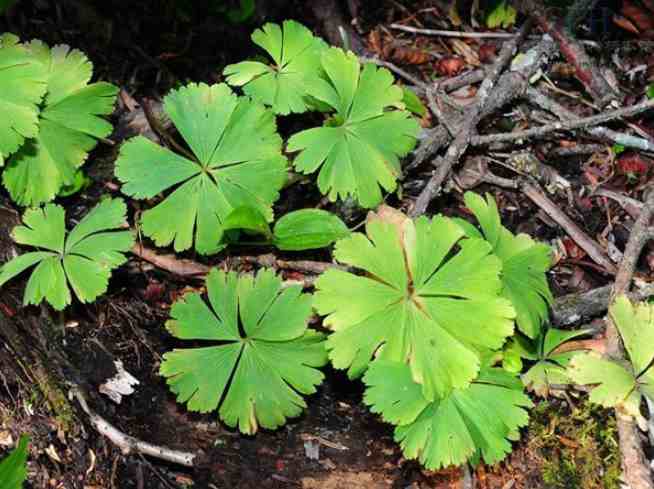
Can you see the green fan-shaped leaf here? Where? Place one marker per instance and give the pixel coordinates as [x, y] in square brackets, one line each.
[429, 299]
[68, 128]
[22, 86]
[524, 264]
[82, 259]
[263, 357]
[13, 469]
[236, 162]
[307, 229]
[283, 85]
[614, 385]
[635, 322]
[358, 148]
[620, 385]
[479, 419]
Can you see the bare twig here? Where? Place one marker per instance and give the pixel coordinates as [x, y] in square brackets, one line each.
[189, 268]
[127, 443]
[580, 123]
[160, 130]
[510, 85]
[460, 143]
[579, 236]
[599, 132]
[634, 464]
[395, 69]
[171, 263]
[446, 33]
[586, 70]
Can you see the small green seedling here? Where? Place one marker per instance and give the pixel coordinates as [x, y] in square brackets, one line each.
[549, 367]
[263, 356]
[81, 259]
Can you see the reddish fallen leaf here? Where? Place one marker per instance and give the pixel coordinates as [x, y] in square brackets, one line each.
[408, 55]
[585, 203]
[375, 43]
[154, 291]
[564, 143]
[640, 16]
[572, 250]
[650, 260]
[633, 165]
[625, 24]
[487, 53]
[8, 311]
[567, 442]
[449, 66]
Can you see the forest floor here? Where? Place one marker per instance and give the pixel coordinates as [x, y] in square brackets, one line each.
[146, 48]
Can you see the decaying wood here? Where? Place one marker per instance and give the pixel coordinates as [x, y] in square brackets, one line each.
[461, 141]
[580, 307]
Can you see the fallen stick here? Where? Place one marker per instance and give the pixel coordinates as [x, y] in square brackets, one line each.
[603, 133]
[578, 235]
[171, 263]
[510, 86]
[567, 125]
[461, 141]
[586, 70]
[188, 268]
[128, 444]
[634, 464]
[578, 307]
[446, 33]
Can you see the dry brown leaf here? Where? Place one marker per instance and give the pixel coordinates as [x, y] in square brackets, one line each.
[449, 66]
[464, 50]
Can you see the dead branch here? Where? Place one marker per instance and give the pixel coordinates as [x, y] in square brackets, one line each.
[445, 33]
[128, 444]
[582, 306]
[510, 85]
[188, 268]
[171, 263]
[600, 132]
[460, 143]
[585, 69]
[578, 235]
[568, 125]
